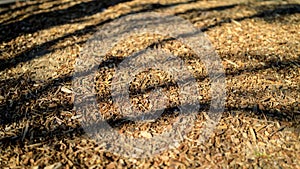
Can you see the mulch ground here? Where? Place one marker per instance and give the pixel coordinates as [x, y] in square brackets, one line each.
[258, 42]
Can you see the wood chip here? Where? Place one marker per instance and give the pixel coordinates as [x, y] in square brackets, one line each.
[146, 134]
[54, 166]
[252, 132]
[66, 90]
[231, 62]
[257, 42]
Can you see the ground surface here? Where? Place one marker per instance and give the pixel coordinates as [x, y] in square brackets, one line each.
[258, 42]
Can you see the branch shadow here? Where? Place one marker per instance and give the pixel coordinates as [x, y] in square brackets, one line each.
[218, 8]
[46, 20]
[268, 15]
[45, 48]
[14, 107]
[11, 108]
[32, 8]
[43, 135]
[12, 7]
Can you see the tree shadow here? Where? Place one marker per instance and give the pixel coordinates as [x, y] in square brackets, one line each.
[13, 110]
[32, 8]
[273, 63]
[40, 90]
[268, 15]
[45, 48]
[5, 3]
[15, 106]
[12, 7]
[46, 20]
[197, 10]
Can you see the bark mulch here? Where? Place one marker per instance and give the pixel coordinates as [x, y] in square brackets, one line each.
[257, 41]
